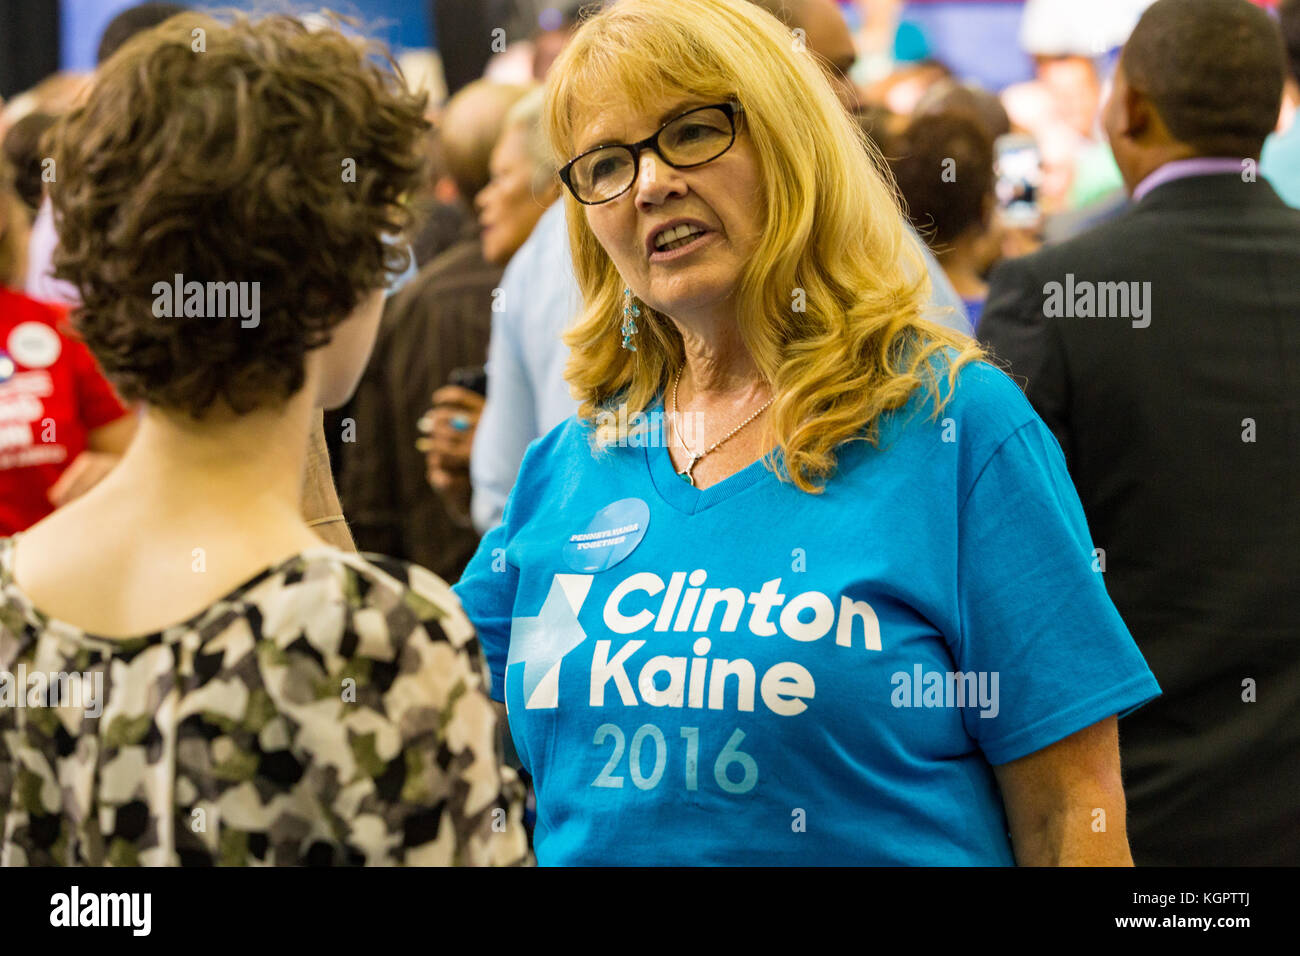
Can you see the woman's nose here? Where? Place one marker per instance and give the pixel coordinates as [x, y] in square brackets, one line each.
[656, 180]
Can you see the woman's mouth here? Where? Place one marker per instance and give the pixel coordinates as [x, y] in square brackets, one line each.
[682, 245]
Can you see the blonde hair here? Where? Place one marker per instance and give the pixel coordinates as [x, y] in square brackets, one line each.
[833, 237]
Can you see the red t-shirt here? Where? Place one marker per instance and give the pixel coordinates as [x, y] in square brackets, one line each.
[52, 395]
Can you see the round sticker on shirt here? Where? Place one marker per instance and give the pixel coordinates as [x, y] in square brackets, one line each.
[609, 537]
[6, 367]
[34, 344]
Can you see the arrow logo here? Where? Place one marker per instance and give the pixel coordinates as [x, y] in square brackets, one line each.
[541, 642]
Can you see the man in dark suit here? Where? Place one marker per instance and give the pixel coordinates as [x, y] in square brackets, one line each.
[1163, 350]
[437, 323]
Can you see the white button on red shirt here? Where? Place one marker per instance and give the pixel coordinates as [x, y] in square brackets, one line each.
[52, 395]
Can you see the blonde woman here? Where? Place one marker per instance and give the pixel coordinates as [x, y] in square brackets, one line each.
[806, 580]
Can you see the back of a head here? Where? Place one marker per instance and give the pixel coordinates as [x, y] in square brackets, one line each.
[22, 148]
[943, 164]
[878, 125]
[272, 163]
[1288, 13]
[821, 29]
[526, 116]
[950, 96]
[471, 124]
[1213, 69]
[133, 20]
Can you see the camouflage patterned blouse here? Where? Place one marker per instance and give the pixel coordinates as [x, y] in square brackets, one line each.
[330, 710]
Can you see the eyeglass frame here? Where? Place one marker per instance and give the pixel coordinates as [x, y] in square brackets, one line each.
[731, 108]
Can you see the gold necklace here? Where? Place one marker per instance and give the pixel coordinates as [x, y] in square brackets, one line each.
[685, 473]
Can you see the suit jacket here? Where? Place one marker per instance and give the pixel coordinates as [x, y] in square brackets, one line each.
[1179, 419]
[439, 322]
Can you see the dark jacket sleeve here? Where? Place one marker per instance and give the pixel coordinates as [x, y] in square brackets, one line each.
[369, 464]
[1026, 341]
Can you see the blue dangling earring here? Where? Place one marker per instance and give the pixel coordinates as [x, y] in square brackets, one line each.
[630, 311]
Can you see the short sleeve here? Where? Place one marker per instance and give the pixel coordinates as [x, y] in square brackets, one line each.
[487, 592]
[416, 743]
[1034, 612]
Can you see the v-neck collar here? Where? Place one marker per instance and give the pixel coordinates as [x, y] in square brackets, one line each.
[676, 491]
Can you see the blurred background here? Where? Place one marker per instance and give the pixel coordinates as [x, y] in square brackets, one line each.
[1046, 61]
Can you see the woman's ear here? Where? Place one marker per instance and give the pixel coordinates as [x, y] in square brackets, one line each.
[343, 359]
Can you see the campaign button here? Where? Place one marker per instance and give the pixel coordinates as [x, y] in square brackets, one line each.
[609, 537]
[34, 344]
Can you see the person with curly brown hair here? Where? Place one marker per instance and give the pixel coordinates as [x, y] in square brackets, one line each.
[943, 164]
[62, 428]
[227, 199]
[320, 500]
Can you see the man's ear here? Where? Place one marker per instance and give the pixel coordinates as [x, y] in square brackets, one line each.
[1139, 114]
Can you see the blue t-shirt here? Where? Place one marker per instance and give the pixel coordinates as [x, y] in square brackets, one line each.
[1280, 164]
[751, 674]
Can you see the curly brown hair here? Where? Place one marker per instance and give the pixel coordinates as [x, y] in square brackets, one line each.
[223, 156]
[941, 208]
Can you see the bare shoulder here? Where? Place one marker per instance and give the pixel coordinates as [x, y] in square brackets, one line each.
[113, 573]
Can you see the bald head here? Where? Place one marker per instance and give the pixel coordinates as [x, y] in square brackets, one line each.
[471, 125]
[1196, 78]
[1213, 70]
[826, 35]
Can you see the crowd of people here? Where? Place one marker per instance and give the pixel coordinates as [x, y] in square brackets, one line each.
[689, 443]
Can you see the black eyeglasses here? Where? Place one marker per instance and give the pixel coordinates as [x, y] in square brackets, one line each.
[696, 137]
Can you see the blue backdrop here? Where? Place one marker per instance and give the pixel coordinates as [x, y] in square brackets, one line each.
[402, 24]
[979, 40]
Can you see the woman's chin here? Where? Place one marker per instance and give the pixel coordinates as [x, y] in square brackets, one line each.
[695, 300]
